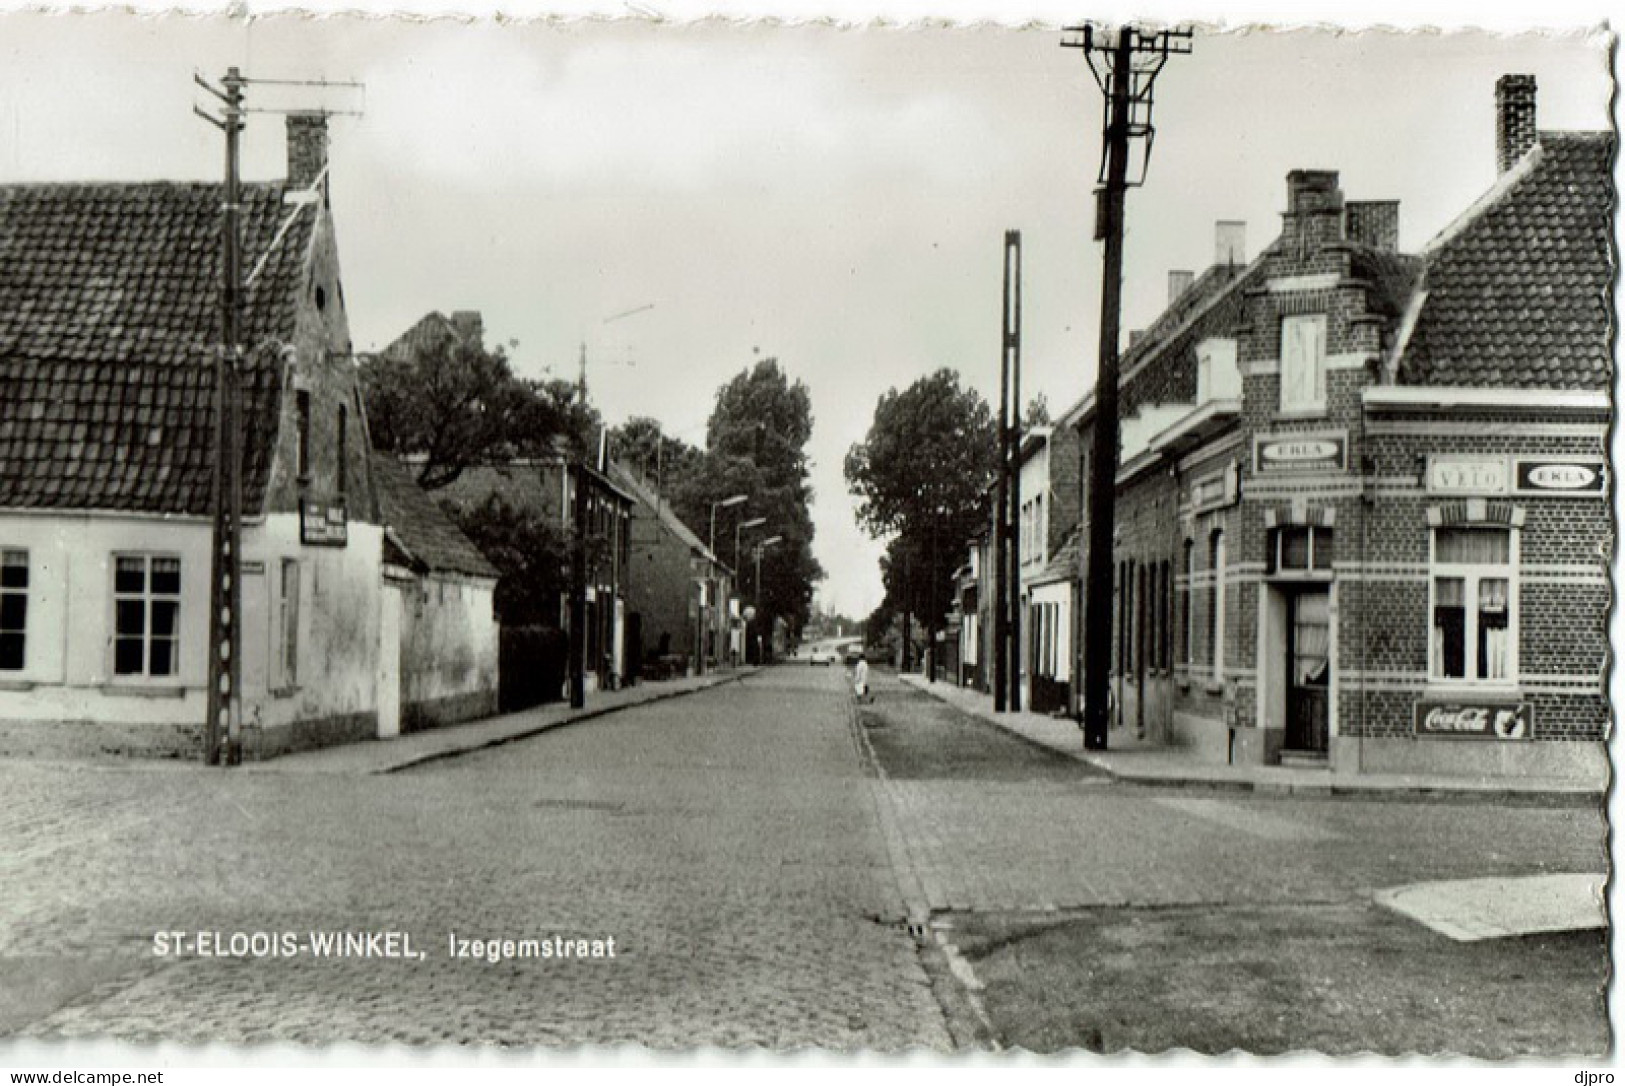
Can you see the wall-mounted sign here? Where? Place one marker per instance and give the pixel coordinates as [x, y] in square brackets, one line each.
[1288, 453]
[1554, 477]
[1505, 720]
[1467, 475]
[1218, 490]
[323, 524]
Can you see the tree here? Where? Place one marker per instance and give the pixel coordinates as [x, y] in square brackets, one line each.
[531, 556]
[923, 477]
[755, 445]
[667, 461]
[452, 404]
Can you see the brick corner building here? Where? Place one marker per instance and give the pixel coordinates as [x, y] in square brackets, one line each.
[1363, 515]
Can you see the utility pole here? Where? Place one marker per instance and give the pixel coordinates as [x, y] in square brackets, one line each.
[1009, 338]
[578, 592]
[1012, 626]
[222, 732]
[1125, 71]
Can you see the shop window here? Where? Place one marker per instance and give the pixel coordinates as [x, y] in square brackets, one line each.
[146, 621]
[13, 608]
[1301, 549]
[1474, 623]
[1303, 362]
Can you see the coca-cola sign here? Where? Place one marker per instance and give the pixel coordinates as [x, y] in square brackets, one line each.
[1506, 720]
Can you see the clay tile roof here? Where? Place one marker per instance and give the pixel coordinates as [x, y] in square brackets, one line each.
[418, 525]
[647, 495]
[1518, 290]
[109, 316]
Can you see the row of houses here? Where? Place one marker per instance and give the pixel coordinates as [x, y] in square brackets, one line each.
[1363, 507]
[367, 613]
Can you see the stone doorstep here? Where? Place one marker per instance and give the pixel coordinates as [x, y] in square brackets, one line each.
[1468, 910]
[1171, 769]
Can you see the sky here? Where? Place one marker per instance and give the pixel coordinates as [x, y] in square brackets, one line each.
[685, 198]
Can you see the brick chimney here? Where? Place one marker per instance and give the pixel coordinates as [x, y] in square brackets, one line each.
[1314, 215]
[1514, 119]
[1178, 283]
[470, 325]
[307, 148]
[1374, 223]
[1230, 242]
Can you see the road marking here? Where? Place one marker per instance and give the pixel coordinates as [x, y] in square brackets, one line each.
[1246, 818]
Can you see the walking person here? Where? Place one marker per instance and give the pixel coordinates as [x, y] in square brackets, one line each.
[860, 678]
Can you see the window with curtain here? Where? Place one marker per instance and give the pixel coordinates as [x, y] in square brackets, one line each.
[146, 614]
[1311, 639]
[1473, 605]
[1303, 362]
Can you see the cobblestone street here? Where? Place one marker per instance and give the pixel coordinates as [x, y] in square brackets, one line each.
[1084, 912]
[753, 850]
[727, 841]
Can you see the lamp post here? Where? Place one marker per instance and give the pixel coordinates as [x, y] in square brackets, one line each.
[723, 504]
[711, 545]
[753, 522]
[756, 595]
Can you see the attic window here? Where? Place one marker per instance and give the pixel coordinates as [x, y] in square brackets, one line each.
[321, 299]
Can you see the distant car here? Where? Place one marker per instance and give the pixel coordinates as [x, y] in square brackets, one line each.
[822, 658]
[852, 654]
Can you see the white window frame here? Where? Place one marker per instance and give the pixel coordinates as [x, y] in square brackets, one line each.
[8, 560]
[1310, 572]
[1291, 360]
[147, 597]
[1471, 573]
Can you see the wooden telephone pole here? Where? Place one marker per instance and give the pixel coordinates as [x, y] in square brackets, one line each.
[1125, 71]
[222, 733]
[223, 730]
[1007, 527]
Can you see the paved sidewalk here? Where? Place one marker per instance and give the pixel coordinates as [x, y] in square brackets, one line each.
[1176, 767]
[391, 755]
[1468, 910]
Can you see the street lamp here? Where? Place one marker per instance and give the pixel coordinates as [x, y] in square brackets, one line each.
[760, 547]
[723, 504]
[757, 595]
[753, 522]
[711, 547]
